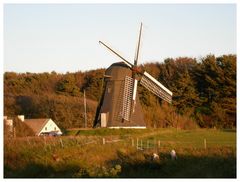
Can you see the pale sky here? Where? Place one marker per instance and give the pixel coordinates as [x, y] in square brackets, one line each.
[64, 37]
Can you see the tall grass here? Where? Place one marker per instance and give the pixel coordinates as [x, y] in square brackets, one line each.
[86, 156]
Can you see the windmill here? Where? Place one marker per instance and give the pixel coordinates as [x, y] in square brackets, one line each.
[119, 106]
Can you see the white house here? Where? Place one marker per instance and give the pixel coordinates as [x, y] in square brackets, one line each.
[42, 126]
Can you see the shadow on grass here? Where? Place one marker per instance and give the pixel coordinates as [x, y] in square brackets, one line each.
[139, 164]
[186, 166]
[35, 170]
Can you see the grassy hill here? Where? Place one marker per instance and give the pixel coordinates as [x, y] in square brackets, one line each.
[123, 153]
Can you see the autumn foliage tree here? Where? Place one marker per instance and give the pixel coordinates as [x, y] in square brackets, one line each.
[204, 94]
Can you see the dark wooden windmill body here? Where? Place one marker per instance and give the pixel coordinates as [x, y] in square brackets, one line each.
[119, 106]
[117, 100]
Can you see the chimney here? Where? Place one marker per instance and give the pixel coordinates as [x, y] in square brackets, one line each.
[21, 117]
[9, 123]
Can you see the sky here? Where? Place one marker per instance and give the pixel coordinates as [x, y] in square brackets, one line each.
[64, 37]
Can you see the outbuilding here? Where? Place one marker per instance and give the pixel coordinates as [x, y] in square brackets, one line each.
[43, 126]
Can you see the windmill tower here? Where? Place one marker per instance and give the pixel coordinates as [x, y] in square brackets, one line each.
[119, 106]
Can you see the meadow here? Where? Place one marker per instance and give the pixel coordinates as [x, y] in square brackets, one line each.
[123, 153]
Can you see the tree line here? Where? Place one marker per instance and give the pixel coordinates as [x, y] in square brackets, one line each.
[204, 94]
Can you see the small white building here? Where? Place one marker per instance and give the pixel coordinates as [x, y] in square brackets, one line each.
[8, 123]
[44, 126]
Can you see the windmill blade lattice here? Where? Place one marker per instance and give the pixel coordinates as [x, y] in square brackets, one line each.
[156, 87]
[127, 98]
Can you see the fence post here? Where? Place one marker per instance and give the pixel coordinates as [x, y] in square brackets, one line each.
[148, 144]
[141, 145]
[103, 141]
[132, 142]
[137, 143]
[44, 139]
[14, 132]
[28, 141]
[50, 148]
[61, 142]
[159, 143]
[205, 143]
[53, 143]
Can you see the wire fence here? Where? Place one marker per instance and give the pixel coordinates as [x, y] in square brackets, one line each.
[51, 143]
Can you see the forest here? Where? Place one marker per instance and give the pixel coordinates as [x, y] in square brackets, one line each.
[204, 94]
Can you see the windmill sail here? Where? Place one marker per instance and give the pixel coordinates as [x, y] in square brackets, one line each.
[124, 60]
[156, 87]
[134, 94]
[138, 46]
[127, 98]
[134, 71]
[135, 90]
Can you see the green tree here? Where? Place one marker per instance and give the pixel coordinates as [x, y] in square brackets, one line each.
[68, 85]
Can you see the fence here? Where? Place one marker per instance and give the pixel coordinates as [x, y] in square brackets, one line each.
[145, 143]
[50, 143]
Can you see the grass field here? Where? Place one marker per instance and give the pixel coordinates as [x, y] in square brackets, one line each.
[123, 153]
